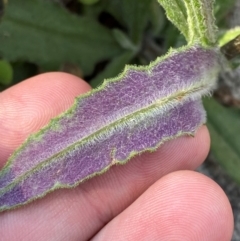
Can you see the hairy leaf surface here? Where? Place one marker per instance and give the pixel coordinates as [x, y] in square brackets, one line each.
[201, 21]
[135, 112]
[199, 17]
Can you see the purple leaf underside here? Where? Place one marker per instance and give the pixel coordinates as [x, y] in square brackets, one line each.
[136, 112]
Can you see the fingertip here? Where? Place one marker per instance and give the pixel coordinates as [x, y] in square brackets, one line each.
[199, 204]
[183, 205]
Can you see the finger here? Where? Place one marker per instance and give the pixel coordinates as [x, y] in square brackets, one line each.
[181, 206]
[31, 104]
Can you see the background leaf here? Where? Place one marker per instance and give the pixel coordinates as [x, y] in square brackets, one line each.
[224, 126]
[42, 32]
[123, 40]
[133, 14]
[222, 9]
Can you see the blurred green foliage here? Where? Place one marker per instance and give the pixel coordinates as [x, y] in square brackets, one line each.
[6, 73]
[224, 126]
[88, 2]
[97, 38]
[45, 33]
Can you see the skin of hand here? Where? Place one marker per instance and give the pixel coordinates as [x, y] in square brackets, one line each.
[155, 196]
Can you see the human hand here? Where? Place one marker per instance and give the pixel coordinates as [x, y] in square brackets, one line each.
[155, 196]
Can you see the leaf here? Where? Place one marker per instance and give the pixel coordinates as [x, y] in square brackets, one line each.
[198, 14]
[130, 114]
[131, 13]
[224, 127]
[201, 21]
[42, 32]
[176, 12]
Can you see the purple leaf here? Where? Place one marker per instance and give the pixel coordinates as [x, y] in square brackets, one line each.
[133, 113]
